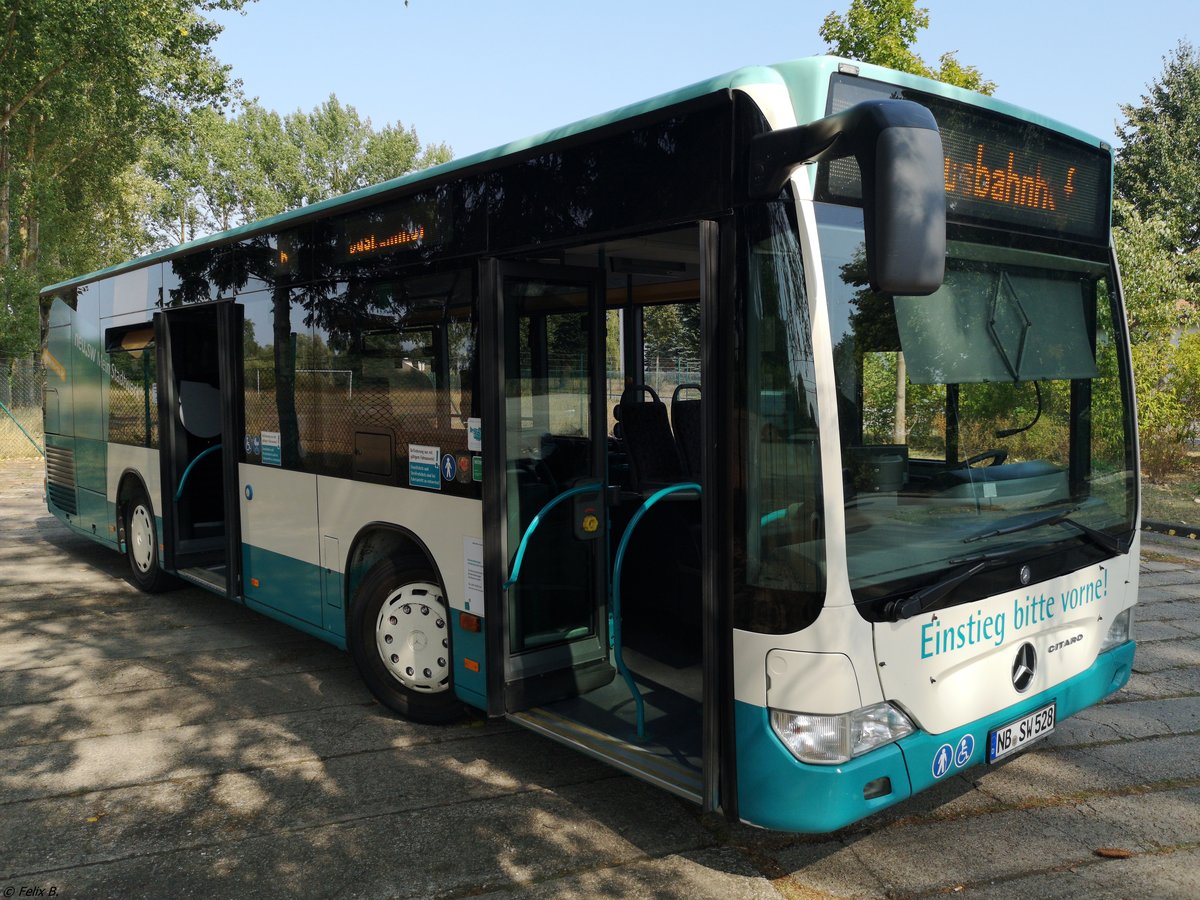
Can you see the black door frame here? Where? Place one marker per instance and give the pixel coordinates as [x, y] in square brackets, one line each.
[176, 554]
[508, 691]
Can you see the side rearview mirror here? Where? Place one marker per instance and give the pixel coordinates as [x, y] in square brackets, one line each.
[899, 153]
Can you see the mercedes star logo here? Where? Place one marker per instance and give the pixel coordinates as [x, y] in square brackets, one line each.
[1023, 666]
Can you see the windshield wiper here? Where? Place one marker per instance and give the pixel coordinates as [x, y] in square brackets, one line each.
[928, 597]
[1101, 539]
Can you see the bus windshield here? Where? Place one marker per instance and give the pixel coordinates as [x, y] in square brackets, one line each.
[987, 423]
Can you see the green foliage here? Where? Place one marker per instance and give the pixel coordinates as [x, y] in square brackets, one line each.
[883, 32]
[217, 172]
[664, 333]
[1161, 298]
[1158, 164]
[81, 83]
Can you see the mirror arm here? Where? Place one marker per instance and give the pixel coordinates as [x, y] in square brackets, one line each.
[899, 152]
[852, 132]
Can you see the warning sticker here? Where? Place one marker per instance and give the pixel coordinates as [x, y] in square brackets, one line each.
[423, 467]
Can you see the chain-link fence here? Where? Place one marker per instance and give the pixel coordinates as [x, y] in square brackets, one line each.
[21, 381]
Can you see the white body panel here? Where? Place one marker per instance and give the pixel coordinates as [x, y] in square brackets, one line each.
[839, 629]
[953, 666]
[792, 679]
[442, 523]
[144, 461]
[281, 513]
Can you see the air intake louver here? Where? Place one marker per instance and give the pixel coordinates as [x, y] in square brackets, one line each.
[60, 478]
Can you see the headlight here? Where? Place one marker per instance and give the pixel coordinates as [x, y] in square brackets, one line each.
[836, 739]
[1119, 631]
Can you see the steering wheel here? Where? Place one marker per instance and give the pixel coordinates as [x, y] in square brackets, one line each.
[997, 457]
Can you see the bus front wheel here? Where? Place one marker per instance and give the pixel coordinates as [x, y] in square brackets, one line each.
[400, 640]
[141, 546]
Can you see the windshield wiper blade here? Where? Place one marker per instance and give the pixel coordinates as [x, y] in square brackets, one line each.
[928, 597]
[1051, 518]
[1101, 539]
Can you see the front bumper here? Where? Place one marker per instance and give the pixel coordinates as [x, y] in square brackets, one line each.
[777, 791]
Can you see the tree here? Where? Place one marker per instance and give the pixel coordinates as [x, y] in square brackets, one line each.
[216, 172]
[1162, 301]
[1157, 184]
[883, 32]
[341, 152]
[1158, 163]
[81, 83]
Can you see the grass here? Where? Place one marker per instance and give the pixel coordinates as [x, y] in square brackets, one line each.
[1174, 497]
[13, 444]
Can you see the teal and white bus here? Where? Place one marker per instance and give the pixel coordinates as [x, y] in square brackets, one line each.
[772, 440]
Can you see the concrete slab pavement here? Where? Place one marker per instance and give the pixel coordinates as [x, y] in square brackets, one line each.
[181, 745]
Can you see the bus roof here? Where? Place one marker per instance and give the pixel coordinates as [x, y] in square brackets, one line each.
[806, 80]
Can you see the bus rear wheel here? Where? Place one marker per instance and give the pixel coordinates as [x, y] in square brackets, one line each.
[400, 641]
[141, 545]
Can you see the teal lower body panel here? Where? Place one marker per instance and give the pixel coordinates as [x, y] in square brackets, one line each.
[108, 540]
[777, 791]
[470, 658]
[282, 583]
[299, 624]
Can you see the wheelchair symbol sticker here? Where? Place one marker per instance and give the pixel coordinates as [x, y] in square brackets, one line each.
[964, 751]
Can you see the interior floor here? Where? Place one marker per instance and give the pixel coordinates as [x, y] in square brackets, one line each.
[671, 687]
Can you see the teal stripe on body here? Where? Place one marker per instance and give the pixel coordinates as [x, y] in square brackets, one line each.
[284, 584]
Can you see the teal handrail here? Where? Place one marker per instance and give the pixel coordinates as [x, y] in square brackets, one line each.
[537, 520]
[618, 656]
[192, 465]
[774, 516]
[22, 427]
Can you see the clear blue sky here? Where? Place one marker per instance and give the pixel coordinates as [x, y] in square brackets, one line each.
[478, 74]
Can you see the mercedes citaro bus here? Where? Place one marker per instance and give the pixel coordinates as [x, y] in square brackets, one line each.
[882, 527]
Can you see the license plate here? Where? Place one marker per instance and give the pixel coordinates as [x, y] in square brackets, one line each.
[1008, 739]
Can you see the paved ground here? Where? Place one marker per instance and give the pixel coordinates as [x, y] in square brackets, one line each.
[180, 746]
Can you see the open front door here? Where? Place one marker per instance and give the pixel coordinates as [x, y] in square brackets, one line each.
[633, 677]
[546, 425]
[199, 365]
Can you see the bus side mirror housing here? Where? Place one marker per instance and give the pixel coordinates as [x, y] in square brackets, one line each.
[899, 153]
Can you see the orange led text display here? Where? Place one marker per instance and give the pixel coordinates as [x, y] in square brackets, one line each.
[1020, 183]
[404, 236]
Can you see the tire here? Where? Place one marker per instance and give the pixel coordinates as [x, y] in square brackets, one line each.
[399, 636]
[141, 545]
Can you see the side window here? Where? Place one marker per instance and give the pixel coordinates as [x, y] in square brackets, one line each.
[386, 379]
[671, 349]
[271, 336]
[132, 389]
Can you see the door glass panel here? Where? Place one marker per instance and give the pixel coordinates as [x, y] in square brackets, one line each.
[549, 451]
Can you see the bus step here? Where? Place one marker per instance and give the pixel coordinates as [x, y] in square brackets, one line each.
[212, 579]
[638, 760]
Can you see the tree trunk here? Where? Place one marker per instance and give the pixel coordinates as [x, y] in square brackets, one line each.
[5, 238]
[285, 378]
[29, 216]
[901, 429]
